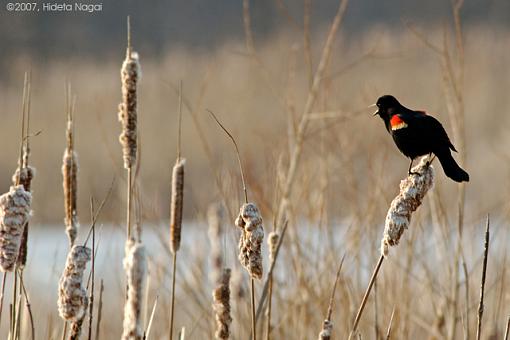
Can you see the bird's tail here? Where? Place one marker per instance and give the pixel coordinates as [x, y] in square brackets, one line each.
[450, 167]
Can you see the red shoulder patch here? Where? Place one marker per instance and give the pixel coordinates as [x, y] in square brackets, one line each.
[397, 123]
[396, 120]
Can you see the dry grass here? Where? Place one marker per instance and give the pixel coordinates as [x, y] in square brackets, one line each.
[312, 157]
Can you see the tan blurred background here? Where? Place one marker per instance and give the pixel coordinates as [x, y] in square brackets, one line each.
[202, 44]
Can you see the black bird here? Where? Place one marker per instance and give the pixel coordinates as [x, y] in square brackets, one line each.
[416, 134]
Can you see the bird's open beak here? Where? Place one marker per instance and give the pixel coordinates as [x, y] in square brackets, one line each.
[376, 111]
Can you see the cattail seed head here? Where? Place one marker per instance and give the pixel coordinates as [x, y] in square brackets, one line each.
[412, 191]
[250, 243]
[25, 176]
[72, 296]
[130, 74]
[221, 305]
[176, 205]
[214, 217]
[14, 214]
[272, 242]
[327, 329]
[135, 267]
[70, 184]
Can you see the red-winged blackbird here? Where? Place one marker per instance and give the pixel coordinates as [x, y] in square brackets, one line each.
[417, 134]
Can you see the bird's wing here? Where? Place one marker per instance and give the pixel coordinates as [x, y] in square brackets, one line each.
[430, 128]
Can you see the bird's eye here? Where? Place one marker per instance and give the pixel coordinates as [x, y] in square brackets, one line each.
[378, 105]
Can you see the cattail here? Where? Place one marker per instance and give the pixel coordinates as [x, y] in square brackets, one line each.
[135, 267]
[221, 305]
[76, 327]
[130, 74]
[176, 204]
[327, 329]
[250, 256]
[14, 214]
[214, 216]
[72, 296]
[70, 184]
[272, 242]
[25, 176]
[412, 192]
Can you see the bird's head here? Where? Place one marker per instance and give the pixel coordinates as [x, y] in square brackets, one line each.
[387, 106]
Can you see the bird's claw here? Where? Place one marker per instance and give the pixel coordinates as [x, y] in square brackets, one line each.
[413, 173]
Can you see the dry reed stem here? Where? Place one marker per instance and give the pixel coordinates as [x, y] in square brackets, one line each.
[272, 242]
[130, 75]
[135, 267]
[72, 296]
[484, 275]
[14, 214]
[250, 256]
[176, 204]
[214, 218]
[507, 330]
[412, 191]
[390, 325]
[296, 153]
[327, 325]
[221, 305]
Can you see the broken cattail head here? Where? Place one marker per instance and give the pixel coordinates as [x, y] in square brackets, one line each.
[14, 214]
[70, 184]
[130, 75]
[135, 268]
[412, 191]
[25, 176]
[250, 256]
[176, 205]
[72, 296]
[221, 305]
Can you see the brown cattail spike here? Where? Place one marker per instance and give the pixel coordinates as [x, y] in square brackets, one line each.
[130, 75]
[412, 191]
[135, 267]
[72, 296]
[70, 184]
[14, 214]
[176, 205]
[221, 305]
[214, 217]
[250, 243]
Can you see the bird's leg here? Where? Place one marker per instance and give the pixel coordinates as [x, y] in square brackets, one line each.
[409, 172]
[431, 159]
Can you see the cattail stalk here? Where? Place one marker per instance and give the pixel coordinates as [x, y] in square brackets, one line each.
[130, 74]
[272, 242]
[221, 305]
[327, 325]
[412, 191]
[135, 267]
[72, 296]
